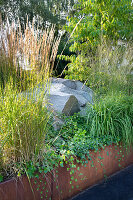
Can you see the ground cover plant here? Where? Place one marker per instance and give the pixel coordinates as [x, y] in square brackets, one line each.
[106, 122]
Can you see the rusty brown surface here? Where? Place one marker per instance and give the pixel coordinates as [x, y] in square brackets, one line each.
[60, 185]
[25, 189]
[105, 162]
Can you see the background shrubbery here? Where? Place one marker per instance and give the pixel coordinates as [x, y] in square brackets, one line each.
[101, 45]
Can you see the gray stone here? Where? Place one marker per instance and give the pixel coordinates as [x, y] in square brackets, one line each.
[70, 84]
[57, 124]
[63, 95]
[68, 96]
[88, 93]
[64, 103]
[82, 96]
[71, 106]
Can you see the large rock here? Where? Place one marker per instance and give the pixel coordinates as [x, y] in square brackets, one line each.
[64, 103]
[62, 96]
[67, 96]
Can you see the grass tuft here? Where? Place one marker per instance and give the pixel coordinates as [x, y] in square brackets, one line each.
[112, 116]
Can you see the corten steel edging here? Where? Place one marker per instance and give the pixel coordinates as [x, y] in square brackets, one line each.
[25, 189]
[91, 175]
[56, 185]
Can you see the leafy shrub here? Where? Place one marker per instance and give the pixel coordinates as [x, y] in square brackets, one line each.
[109, 69]
[110, 19]
[95, 28]
[81, 143]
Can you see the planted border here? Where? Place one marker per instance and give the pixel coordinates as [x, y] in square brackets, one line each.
[69, 179]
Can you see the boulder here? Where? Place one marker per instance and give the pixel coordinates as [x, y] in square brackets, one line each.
[57, 121]
[63, 95]
[64, 103]
[68, 96]
[71, 106]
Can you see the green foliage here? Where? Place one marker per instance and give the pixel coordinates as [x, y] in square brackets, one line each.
[77, 138]
[111, 18]
[112, 116]
[23, 126]
[107, 121]
[1, 178]
[98, 60]
[28, 142]
[42, 11]
[109, 69]
[50, 159]
[80, 144]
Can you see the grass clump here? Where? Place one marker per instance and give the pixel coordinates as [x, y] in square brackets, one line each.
[23, 126]
[112, 116]
[109, 121]
[26, 55]
[26, 62]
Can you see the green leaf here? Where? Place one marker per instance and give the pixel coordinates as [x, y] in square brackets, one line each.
[72, 178]
[1, 178]
[61, 164]
[78, 168]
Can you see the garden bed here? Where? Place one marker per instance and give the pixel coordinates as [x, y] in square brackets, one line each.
[64, 182]
[49, 155]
